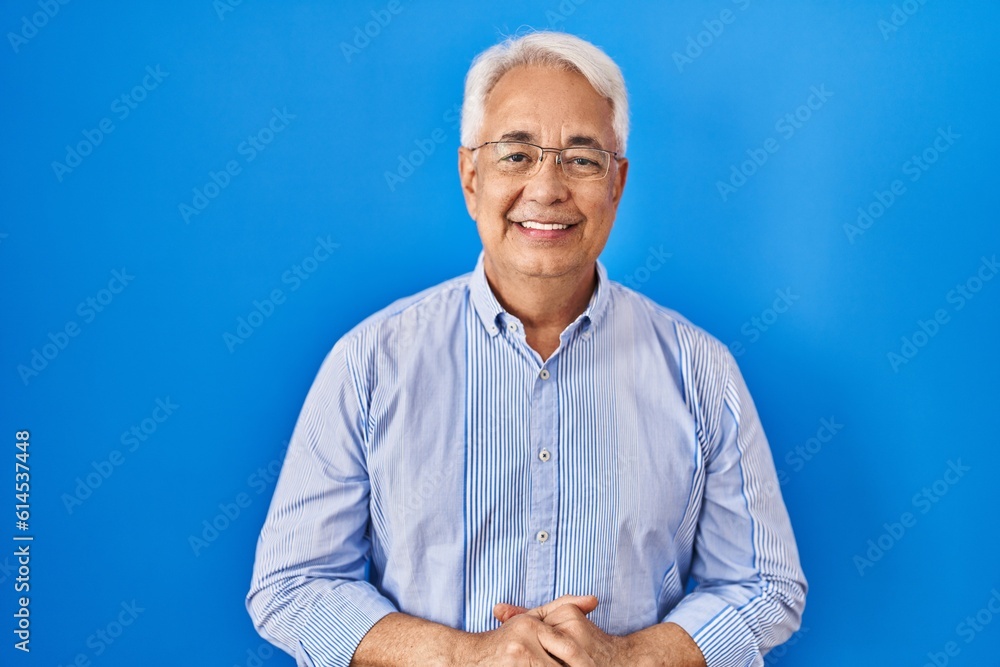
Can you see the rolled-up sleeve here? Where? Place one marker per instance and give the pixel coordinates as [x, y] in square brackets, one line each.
[750, 590]
[309, 595]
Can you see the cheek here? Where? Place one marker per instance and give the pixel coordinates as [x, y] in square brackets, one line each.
[598, 206]
[495, 201]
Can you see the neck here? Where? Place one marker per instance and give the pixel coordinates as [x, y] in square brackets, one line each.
[545, 305]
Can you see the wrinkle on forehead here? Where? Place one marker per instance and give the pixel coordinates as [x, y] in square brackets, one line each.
[527, 137]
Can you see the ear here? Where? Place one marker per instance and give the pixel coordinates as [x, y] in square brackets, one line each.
[618, 186]
[467, 176]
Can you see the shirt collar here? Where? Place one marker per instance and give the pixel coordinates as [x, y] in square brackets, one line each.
[489, 310]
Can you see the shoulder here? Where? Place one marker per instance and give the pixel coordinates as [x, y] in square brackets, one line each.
[403, 318]
[673, 329]
[702, 365]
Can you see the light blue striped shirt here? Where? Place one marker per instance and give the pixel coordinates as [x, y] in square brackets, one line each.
[440, 466]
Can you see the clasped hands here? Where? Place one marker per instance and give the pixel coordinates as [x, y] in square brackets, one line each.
[557, 633]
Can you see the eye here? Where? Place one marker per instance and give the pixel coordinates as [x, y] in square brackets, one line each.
[516, 157]
[583, 162]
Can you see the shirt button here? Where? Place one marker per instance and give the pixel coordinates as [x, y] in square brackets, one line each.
[544, 374]
[512, 327]
[544, 455]
[543, 536]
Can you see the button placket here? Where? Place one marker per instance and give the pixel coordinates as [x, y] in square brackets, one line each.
[544, 487]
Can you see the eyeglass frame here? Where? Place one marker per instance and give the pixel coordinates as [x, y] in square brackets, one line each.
[558, 152]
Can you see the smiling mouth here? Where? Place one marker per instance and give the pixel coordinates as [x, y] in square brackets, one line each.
[545, 226]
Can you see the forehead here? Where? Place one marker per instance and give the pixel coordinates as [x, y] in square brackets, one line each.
[548, 103]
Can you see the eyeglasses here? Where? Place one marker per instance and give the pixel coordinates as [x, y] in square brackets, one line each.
[515, 158]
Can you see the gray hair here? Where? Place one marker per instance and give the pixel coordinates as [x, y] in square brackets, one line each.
[547, 49]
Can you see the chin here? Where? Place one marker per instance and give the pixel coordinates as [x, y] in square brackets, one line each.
[538, 265]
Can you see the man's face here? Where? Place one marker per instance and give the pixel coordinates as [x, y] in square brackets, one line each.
[553, 109]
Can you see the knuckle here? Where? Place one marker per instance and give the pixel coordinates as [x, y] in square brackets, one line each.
[520, 621]
[515, 650]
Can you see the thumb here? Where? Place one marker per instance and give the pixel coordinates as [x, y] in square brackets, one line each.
[503, 612]
[585, 603]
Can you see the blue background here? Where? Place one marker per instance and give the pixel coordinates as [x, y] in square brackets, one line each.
[359, 115]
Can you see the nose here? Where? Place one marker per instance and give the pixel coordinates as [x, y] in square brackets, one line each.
[548, 185]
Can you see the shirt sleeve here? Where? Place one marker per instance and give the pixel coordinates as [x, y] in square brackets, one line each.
[309, 594]
[750, 590]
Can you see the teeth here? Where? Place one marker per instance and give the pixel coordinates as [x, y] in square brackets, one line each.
[531, 224]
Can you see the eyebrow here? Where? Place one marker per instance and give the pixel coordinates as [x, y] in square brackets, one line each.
[528, 137]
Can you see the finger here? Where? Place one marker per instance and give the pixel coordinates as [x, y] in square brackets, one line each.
[563, 648]
[565, 615]
[503, 612]
[585, 603]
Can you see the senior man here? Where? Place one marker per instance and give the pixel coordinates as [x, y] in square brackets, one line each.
[530, 464]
